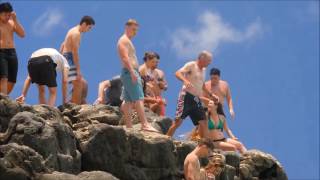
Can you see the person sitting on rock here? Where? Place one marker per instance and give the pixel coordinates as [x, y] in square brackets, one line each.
[42, 68]
[155, 83]
[217, 124]
[191, 165]
[214, 167]
[110, 92]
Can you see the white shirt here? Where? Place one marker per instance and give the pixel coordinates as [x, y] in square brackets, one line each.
[195, 75]
[57, 58]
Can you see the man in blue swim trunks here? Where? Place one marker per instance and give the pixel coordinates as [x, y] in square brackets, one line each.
[132, 88]
[70, 50]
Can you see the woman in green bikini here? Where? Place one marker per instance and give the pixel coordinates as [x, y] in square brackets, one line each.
[216, 124]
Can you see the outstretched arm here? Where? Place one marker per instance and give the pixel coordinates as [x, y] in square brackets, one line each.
[25, 89]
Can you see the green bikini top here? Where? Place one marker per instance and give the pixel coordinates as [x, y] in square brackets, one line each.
[211, 125]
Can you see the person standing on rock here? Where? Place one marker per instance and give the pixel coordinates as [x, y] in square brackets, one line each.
[70, 50]
[9, 25]
[221, 89]
[155, 83]
[42, 68]
[132, 88]
[192, 74]
[191, 165]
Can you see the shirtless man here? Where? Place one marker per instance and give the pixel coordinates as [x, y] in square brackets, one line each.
[9, 24]
[155, 83]
[70, 50]
[220, 88]
[191, 165]
[192, 94]
[131, 80]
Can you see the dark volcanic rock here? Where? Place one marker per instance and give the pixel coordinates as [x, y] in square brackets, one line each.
[8, 109]
[257, 164]
[50, 137]
[43, 139]
[130, 154]
[19, 162]
[93, 175]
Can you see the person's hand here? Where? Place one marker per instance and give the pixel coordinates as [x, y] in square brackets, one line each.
[14, 16]
[134, 77]
[232, 113]
[20, 99]
[188, 84]
[234, 138]
[214, 97]
[99, 100]
[79, 76]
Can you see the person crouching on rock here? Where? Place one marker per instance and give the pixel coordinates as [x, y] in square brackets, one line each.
[216, 125]
[191, 165]
[42, 68]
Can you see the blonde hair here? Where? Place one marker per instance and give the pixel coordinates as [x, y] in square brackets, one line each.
[194, 135]
[132, 22]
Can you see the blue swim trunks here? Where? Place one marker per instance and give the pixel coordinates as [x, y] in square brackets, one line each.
[131, 91]
[73, 70]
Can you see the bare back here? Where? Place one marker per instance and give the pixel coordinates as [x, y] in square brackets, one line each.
[6, 35]
[72, 40]
[125, 42]
[191, 167]
[221, 90]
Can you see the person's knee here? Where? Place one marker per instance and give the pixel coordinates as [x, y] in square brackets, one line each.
[53, 91]
[41, 90]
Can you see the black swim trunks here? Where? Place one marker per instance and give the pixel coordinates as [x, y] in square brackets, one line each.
[8, 64]
[190, 105]
[42, 70]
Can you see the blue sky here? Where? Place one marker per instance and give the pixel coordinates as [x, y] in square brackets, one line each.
[268, 51]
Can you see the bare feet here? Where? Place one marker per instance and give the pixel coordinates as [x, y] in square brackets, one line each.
[149, 128]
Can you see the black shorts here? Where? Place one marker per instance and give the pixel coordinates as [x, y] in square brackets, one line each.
[190, 105]
[8, 64]
[42, 70]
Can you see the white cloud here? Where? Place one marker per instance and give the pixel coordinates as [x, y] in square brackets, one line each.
[46, 22]
[212, 31]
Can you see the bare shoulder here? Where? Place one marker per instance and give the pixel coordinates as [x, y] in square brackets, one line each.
[224, 83]
[123, 40]
[160, 72]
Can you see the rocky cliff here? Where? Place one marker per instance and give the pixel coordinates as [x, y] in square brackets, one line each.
[86, 142]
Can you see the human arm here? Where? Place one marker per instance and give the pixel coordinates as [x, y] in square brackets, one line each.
[64, 84]
[103, 86]
[230, 103]
[123, 53]
[17, 26]
[207, 93]
[181, 72]
[21, 98]
[75, 40]
[226, 128]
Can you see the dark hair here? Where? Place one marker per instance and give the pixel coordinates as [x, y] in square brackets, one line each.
[207, 142]
[214, 71]
[150, 55]
[5, 7]
[88, 20]
[219, 110]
